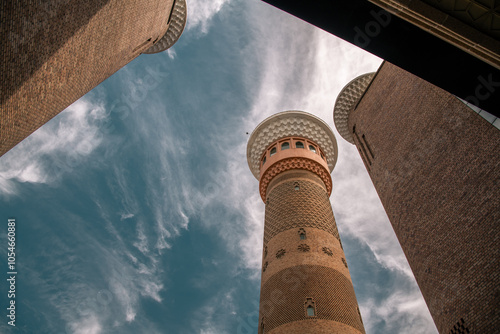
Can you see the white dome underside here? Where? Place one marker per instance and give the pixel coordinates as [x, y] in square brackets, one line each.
[175, 28]
[289, 124]
[346, 101]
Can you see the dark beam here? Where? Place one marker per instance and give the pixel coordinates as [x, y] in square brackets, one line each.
[399, 42]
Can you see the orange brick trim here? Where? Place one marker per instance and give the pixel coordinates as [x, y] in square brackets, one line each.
[294, 163]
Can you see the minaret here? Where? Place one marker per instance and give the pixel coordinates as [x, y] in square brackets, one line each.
[53, 52]
[435, 164]
[306, 286]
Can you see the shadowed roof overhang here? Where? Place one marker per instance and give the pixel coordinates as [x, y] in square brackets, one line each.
[404, 45]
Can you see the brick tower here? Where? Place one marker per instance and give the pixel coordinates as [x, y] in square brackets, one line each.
[306, 286]
[53, 52]
[435, 164]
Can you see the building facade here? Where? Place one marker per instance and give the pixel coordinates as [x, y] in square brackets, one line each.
[452, 44]
[469, 25]
[53, 52]
[435, 164]
[306, 286]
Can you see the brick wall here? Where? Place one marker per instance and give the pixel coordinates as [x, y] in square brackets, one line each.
[55, 51]
[436, 167]
[296, 268]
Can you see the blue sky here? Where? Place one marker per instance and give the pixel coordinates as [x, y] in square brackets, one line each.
[137, 213]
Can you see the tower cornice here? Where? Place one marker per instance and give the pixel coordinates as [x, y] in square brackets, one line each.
[294, 163]
[292, 154]
[287, 124]
[346, 102]
[175, 28]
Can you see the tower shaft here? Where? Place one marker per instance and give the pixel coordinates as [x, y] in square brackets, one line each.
[306, 286]
[436, 168]
[53, 52]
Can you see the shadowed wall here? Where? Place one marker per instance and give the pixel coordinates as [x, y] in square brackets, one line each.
[55, 51]
[435, 164]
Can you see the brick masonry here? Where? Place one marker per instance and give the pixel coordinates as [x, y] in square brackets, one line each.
[320, 327]
[436, 167]
[296, 268]
[54, 51]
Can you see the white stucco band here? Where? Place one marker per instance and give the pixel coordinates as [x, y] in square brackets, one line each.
[175, 28]
[347, 100]
[288, 124]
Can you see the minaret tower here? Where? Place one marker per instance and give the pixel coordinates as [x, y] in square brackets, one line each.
[306, 286]
[435, 164]
[53, 52]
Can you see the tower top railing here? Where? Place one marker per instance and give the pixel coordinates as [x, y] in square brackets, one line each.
[288, 124]
[346, 102]
[177, 23]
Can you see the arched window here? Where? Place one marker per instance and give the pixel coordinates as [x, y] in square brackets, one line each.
[302, 234]
[322, 156]
[310, 307]
[285, 146]
[273, 151]
[299, 144]
[312, 148]
[296, 186]
[263, 161]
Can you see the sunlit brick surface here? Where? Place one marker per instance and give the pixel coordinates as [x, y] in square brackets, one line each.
[436, 167]
[320, 327]
[313, 266]
[285, 208]
[332, 292]
[54, 51]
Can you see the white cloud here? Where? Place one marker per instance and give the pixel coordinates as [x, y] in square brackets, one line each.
[208, 319]
[142, 244]
[171, 53]
[201, 12]
[126, 216]
[89, 325]
[402, 309]
[54, 149]
[359, 211]
[304, 68]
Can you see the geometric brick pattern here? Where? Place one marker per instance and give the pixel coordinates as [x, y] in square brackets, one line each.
[291, 123]
[460, 328]
[304, 248]
[286, 207]
[437, 171]
[333, 293]
[299, 222]
[294, 163]
[53, 52]
[327, 251]
[308, 291]
[280, 253]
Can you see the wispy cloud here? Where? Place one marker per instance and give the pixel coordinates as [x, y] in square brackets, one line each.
[209, 319]
[402, 309]
[55, 149]
[286, 64]
[88, 325]
[304, 68]
[201, 12]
